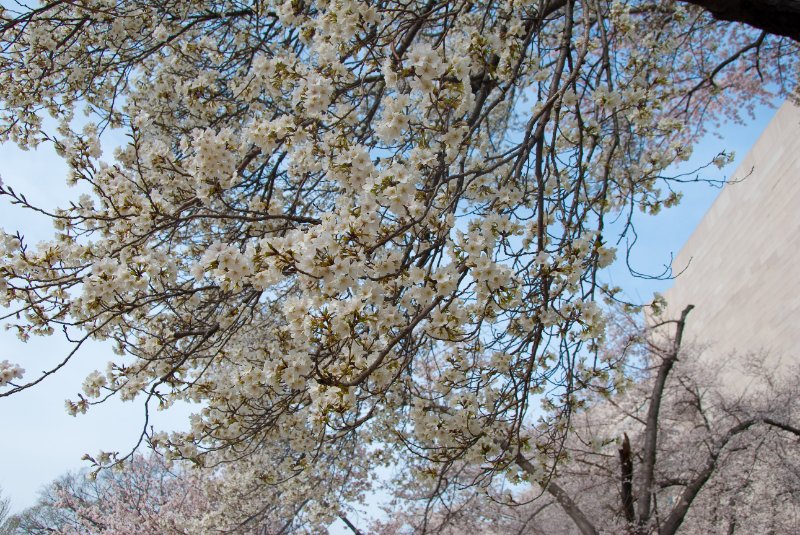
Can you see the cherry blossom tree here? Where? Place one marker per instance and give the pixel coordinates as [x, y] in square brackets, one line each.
[144, 498]
[333, 219]
[6, 523]
[147, 496]
[683, 446]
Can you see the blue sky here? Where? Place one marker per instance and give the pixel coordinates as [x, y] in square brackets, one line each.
[663, 235]
[40, 441]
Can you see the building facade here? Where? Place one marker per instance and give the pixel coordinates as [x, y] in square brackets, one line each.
[741, 266]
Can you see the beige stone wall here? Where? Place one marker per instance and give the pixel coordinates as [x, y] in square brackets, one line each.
[741, 266]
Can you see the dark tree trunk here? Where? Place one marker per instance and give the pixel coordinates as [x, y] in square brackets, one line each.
[643, 503]
[626, 463]
[779, 17]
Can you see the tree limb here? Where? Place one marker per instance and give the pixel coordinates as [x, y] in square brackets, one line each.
[626, 463]
[644, 500]
[779, 17]
[350, 525]
[570, 507]
[678, 514]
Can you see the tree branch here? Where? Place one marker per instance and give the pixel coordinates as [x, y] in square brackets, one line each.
[626, 463]
[651, 430]
[570, 507]
[676, 516]
[350, 525]
[783, 426]
[779, 17]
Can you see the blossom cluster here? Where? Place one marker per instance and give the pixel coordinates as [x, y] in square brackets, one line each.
[9, 372]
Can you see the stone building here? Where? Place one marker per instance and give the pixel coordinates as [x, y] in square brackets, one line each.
[741, 266]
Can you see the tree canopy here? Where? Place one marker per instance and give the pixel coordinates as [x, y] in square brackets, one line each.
[678, 450]
[355, 233]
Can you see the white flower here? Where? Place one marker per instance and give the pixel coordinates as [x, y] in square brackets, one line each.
[93, 383]
[9, 372]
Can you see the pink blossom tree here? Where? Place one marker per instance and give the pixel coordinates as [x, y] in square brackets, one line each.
[145, 497]
[679, 448]
[148, 497]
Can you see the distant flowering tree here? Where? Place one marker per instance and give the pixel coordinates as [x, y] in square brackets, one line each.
[691, 445]
[333, 219]
[147, 496]
[6, 524]
[144, 498]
